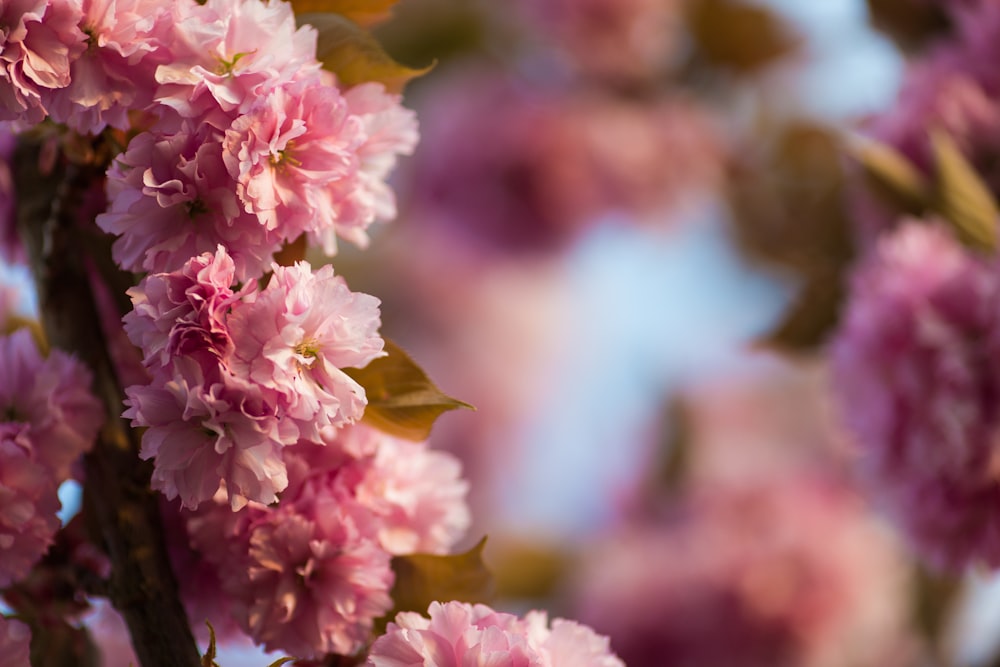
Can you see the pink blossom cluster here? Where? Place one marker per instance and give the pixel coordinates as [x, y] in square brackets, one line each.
[457, 634]
[48, 418]
[254, 147]
[789, 571]
[238, 375]
[917, 373]
[252, 144]
[309, 575]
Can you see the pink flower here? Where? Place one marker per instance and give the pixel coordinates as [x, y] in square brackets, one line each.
[114, 74]
[294, 156]
[613, 39]
[227, 54]
[48, 403]
[784, 573]
[28, 506]
[917, 371]
[184, 313]
[511, 168]
[417, 493]
[294, 338]
[316, 583]
[462, 635]
[203, 432]
[15, 642]
[390, 130]
[39, 40]
[171, 198]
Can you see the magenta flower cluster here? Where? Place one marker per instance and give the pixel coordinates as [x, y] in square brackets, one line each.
[917, 372]
[48, 418]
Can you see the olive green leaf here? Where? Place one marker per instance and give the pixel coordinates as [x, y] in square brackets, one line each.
[402, 400]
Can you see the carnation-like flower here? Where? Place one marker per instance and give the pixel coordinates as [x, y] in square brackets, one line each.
[15, 642]
[39, 40]
[227, 54]
[294, 338]
[114, 74]
[202, 432]
[463, 635]
[309, 575]
[183, 313]
[316, 582]
[48, 403]
[171, 198]
[917, 372]
[293, 156]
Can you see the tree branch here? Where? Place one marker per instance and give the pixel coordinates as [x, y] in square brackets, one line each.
[142, 587]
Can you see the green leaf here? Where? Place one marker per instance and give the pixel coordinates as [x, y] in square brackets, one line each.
[961, 197]
[354, 55]
[362, 12]
[425, 578]
[891, 177]
[402, 400]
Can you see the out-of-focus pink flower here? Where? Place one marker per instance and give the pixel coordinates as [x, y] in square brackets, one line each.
[15, 643]
[171, 198]
[48, 402]
[417, 493]
[917, 372]
[785, 573]
[614, 39]
[39, 41]
[114, 74]
[510, 168]
[28, 506]
[294, 338]
[463, 635]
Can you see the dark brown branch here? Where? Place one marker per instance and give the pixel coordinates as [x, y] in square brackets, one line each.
[142, 584]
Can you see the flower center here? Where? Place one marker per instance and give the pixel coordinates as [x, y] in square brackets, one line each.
[307, 352]
[226, 67]
[285, 157]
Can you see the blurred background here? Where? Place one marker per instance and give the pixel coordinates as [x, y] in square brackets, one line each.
[624, 238]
